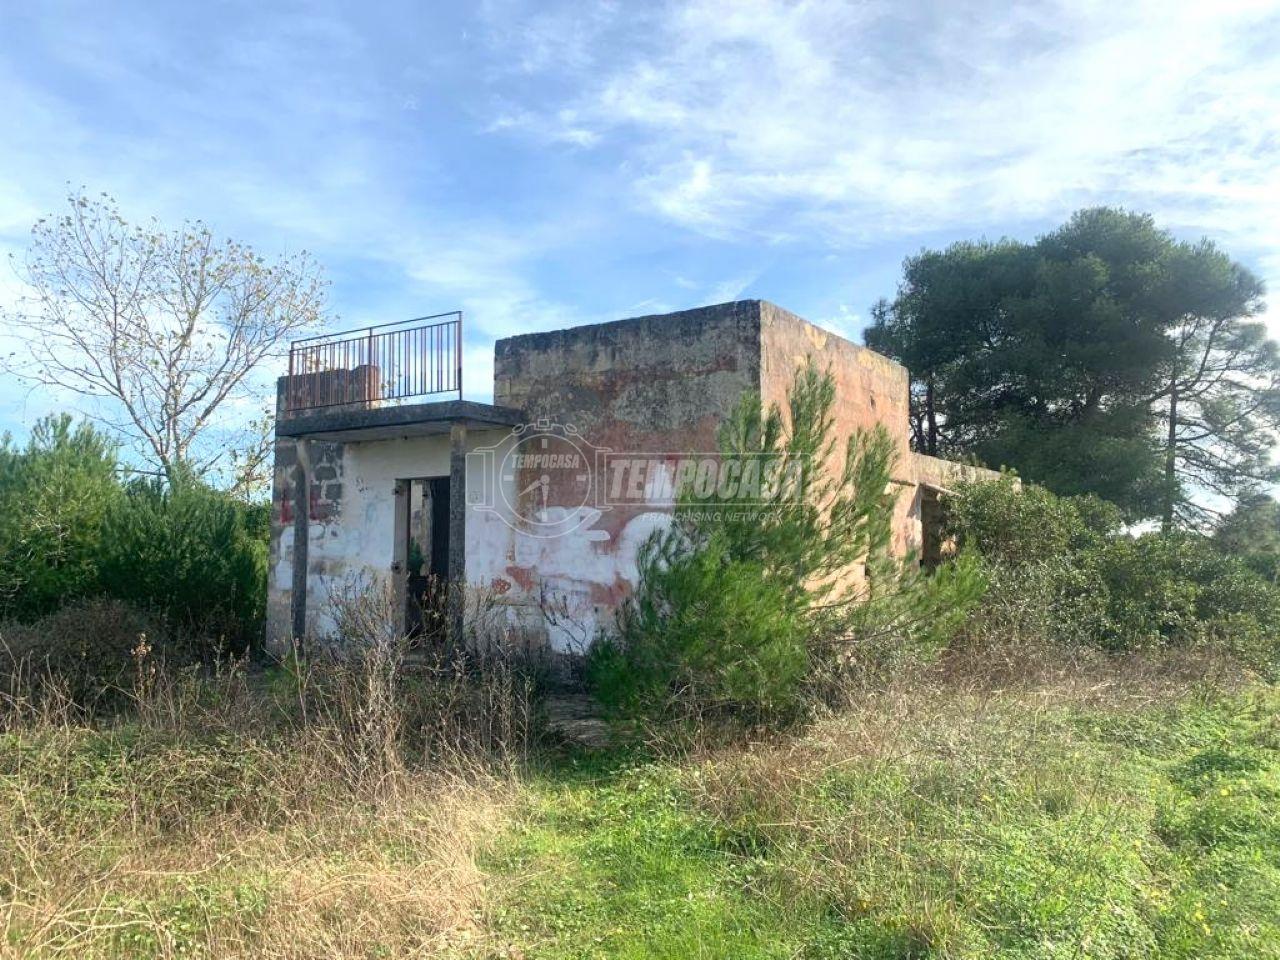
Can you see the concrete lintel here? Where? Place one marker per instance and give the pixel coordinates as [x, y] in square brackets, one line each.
[378, 423]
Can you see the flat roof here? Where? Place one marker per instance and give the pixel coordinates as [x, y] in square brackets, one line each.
[356, 422]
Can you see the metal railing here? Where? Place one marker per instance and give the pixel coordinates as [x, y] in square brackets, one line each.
[388, 362]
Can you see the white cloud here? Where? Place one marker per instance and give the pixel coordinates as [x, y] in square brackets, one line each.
[862, 122]
[536, 39]
[562, 130]
[731, 288]
[846, 322]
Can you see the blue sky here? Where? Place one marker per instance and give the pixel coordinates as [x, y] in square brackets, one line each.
[541, 165]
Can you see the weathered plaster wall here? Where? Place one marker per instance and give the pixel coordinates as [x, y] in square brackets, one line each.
[352, 528]
[280, 591]
[636, 384]
[871, 391]
[658, 384]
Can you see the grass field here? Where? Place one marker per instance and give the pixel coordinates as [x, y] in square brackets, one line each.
[1082, 817]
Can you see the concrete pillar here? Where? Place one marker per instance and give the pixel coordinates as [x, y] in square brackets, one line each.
[301, 540]
[457, 528]
[400, 557]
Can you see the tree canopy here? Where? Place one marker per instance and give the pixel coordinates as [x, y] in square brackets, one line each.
[1106, 358]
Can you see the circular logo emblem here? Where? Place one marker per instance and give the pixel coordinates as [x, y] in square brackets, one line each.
[546, 479]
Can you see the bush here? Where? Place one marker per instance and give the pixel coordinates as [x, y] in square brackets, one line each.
[54, 496]
[70, 529]
[1061, 572]
[1011, 525]
[1180, 590]
[195, 555]
[746, 613]
[83, 651]
[706, 632]
[1252, 532]
[1048, 602]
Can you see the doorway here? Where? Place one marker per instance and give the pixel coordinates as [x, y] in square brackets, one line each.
[422, 557]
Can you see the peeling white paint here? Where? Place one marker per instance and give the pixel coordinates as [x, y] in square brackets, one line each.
[520, 568]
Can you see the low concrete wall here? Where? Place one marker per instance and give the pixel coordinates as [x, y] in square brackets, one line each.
[947, 474]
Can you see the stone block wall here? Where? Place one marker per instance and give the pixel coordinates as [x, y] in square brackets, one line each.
[323, 515]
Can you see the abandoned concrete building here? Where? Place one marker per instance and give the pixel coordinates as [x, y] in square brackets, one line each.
[542, 499]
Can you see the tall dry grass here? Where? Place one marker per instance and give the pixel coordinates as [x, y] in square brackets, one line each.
[331, 808]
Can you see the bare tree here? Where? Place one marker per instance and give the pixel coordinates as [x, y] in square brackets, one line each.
[249, 464]
[166, 325]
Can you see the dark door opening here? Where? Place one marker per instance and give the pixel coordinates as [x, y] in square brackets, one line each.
[931, 517]
[424, 542]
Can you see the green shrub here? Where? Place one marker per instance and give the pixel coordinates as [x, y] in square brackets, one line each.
[195, 555]
[747, 612]
[1011, 525]
[1052, 601]
[1060, 571]
[70, 529]
[1252, 532]
[909, 616]
[54, 495]
[707, 632]
[1180, 590]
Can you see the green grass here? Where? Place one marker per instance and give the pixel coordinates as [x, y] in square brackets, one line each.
[618, 865]
[1058, 822]
[952, 828]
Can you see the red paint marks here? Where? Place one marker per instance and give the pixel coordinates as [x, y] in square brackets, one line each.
[318, 508]
[609, 595]
[525, 578]
[500, 586]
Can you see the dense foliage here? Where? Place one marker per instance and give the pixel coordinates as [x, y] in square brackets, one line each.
[55, 494]
[1106, 357]
[742, 612]
[1252, 532]
[191, 553]
[72, 528]
[1013, 523]
[1061, 571]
